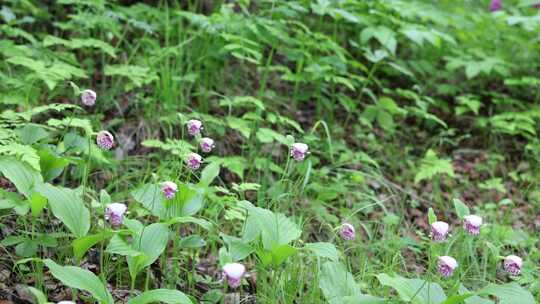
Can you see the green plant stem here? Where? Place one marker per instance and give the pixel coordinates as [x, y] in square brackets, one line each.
[147, 280]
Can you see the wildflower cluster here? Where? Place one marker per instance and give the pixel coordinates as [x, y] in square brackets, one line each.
[114, 213]
[471, 224]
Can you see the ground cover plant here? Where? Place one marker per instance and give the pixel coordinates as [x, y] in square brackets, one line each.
[269, 151]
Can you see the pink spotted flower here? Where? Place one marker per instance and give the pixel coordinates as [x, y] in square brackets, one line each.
[446, 266]
[169, 189]
[194, 161]
[115, 213]
[299, 151]
[194, 127]
[234, 272]
[472, 224]
[439, 231]
[88, 98]
[495, 5]
[512, 264]
[207, 144]
[105, 140]
[347, 232]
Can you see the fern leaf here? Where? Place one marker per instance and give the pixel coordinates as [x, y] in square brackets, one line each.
[432, 165]
[25, 153]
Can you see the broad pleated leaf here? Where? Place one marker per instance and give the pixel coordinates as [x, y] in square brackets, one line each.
[168, 296]
[68, 206]
[79, 278]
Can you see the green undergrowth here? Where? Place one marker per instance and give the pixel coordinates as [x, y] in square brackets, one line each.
[413, 111]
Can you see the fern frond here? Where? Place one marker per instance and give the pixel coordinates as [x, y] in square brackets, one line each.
[432, 165]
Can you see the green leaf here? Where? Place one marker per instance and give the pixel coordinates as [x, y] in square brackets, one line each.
[187, 201]
[242, 101]
[401, 68]
[384, 35]
[276, 229]
[151, 241]
[72, 122]
[265, 135]
[415, 290]
[209, 173]
[471, 297]
[27, 248]
[67, 205]
[12, 240]
[472, 69]
[510, 293]
[20, 174]
[175, 146]
[457, 299]
[461, 209]
[363, 299]
[82, 279]
[235, 164]
[133, 225]
[32, 133]
[432, 218]
[117, 245]
[58, 107]
[161, 295]
[37, 203]
[241, 125]
[370, 113]
[192, 241]
[51, 165]
[49, 72]
[137, 75]
[151, 197]
[12, 200]
[104, 198]
[336, 282]
[385, 120]
[38, 294]
[81, 245]
[389, 105]
[239, 250]
[493, 184]
[189, 219]
[351, 17]
[421, 34]
[77, 43]
[431, 166]
[26, 154]
[324, 250]
[278, 254]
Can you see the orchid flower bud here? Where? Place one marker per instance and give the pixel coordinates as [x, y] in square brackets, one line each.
[347, 232]
[169, 189]
[88, 98]
[439, 231]
[115, 213]
[207, 144]
[194, 127]
[446, 265]
[194, 161]
[234, 272]
[299, 151]
[472, 224]
[512, 264]
[105, 140]
[495, 5]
